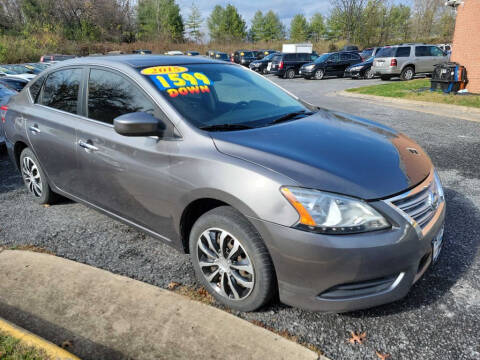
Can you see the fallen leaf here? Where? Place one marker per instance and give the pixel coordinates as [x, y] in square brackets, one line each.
[67, 344]
[382, 356]
[46, 205]
[357, 338]
[173, 285]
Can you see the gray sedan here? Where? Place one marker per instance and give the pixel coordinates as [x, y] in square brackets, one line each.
[265, 191]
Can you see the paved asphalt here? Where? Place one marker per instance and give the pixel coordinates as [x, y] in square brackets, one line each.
[439, 319]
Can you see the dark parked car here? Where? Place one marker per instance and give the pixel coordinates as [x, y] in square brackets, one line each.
[261, 65]
[350, 48]
[244, 57]
[362, 70]
[288, 65]
[5, 94]
[14, 83]
[218, 55]
[330, 64]
[369, 52]
[56, 57]
[263, 53]
[268, 194]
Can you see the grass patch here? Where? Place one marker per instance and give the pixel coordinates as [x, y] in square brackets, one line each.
[12, 349]
[407, 90]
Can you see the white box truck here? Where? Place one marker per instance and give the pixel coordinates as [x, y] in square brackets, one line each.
[297, 48]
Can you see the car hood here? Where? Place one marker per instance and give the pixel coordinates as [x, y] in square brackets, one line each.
[333, 152]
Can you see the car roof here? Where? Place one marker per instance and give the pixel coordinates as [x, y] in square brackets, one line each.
[140, 61]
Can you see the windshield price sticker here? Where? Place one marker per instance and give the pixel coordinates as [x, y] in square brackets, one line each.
[182, 83]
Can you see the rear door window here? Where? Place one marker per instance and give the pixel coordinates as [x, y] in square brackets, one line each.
[403, 51]
[290, 57]
[422, 51]
[334, 58]
[61, 90]
[344, 57]
[111, 95]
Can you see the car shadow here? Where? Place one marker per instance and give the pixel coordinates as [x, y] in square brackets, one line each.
[461, 243]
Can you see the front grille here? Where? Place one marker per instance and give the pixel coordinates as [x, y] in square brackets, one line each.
[421, 206]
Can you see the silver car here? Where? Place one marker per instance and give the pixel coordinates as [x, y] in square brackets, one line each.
[407, 60]
[267, 193]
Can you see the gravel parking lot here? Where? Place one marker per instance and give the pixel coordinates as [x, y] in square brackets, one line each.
[440, 318]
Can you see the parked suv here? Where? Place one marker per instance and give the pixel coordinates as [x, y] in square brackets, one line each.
[269, 194]
[288, 65]
[244, 57]
[333, 64]
[406, 60]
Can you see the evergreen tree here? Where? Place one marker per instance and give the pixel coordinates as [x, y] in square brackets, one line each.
[317, 27]
[299, 28]
[194, 24]
[273, 28]
[226, 24]
[257, 28]
[160, 18]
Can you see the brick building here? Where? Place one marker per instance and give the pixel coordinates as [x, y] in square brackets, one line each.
[466, 41]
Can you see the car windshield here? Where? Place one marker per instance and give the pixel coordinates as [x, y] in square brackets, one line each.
[247, 54]
[215, 94]
[386, 52]
[269, 57]
[322, 58]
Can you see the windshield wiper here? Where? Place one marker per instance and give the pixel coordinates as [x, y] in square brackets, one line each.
[290, 116]
[225, 127]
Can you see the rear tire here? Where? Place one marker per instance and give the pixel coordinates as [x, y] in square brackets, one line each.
[242, 246]
[290, 74]
[407, 74]
[35, 179]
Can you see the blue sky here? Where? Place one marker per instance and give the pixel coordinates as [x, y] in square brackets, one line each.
[285, 9]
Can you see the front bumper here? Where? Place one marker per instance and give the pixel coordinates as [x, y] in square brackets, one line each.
[350, 272]
[306, 73]
[355, 74]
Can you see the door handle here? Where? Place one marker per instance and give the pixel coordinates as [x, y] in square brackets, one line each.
[34, 129]
[87, 146]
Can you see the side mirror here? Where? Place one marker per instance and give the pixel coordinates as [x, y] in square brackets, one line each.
[138, 124]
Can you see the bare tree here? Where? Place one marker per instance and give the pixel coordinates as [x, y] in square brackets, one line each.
[350, 18]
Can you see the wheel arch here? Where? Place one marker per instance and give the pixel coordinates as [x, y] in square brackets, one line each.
[203, 202]
[17, 151]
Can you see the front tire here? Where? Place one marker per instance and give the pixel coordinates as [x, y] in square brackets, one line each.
[231, 261]
[319, 74]
[34, 178]
[369, 74]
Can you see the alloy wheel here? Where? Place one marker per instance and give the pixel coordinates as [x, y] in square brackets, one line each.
[319, 74]
[225, 264]
[32, 178]
[369, 74]
[409, 74]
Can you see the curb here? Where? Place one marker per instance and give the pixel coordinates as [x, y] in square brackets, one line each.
[29, 339]
[454, 111]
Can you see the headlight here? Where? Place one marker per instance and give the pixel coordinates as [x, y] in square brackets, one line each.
[356, 68]
[309, 67]
[333, 214]
[257, 64]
